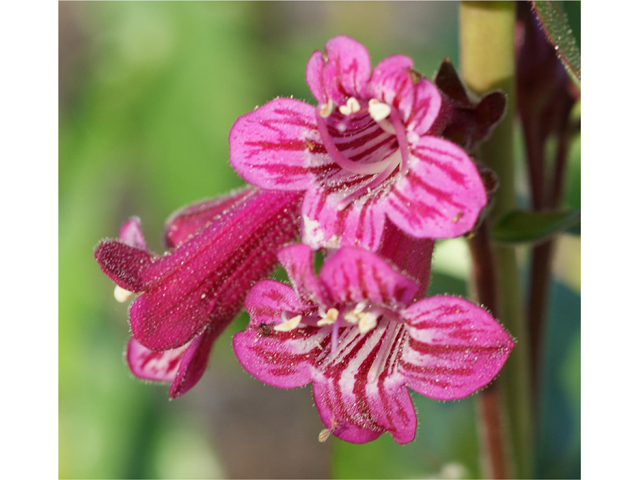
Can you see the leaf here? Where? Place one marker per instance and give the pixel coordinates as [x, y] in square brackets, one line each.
[556, 26]
[521, 226]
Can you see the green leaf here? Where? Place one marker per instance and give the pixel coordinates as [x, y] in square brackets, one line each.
[521, 226]
[559, 33]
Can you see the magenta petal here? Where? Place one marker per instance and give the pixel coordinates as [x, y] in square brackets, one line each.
[440, 196]
[195, 361]
[278, 146]
[297, 260]
[417, 99]
[150, 365]
[325, 224]
[454, 347]
[131, 234]
[347, 71]
[123, 264]
[190, 220]
[427, 104]
[353, 275]
[356, 406]
[315, 67]
[281, 359]
[392, 83]
[207, 276]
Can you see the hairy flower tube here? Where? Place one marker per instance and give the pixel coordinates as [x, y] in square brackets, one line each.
[369, 150]
[189, 295]
[357, 332]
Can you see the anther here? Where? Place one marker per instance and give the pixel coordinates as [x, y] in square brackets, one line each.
[367, 322]
[328, 318]
[352, 106]
[326, 109]
[289, 325]
[121, 294]
[378, 110]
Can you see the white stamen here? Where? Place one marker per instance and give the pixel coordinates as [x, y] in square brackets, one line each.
[121, 294]
[352, 106]
[328, 318]
[326, 109]
[368, 322]
[356, 315]
[378, 110]
[289, 324]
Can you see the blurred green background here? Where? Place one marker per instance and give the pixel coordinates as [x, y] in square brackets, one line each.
[148, 93]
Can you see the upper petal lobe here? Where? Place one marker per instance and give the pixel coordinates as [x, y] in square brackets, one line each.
[278, 146]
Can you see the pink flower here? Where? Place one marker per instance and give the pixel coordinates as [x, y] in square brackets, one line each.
[357, 332]
[367, 151]
[191, 294]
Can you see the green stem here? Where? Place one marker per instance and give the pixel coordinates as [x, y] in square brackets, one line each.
[487, 34]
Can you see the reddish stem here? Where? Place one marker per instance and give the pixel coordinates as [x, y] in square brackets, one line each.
[490, 401]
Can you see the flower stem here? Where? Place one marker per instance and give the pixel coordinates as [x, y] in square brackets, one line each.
[487, 34]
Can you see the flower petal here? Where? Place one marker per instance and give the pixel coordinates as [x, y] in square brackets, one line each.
[281, 359]
[278, 146]
[151, 365]
[205, 279]
[195, 360]
[124, 264]
[454, 347]
[326, 225]
[188, 221]
[417, 99]
[440, 196]
[410, 255]
[347, 70]
[297, 260]
[356, 406]
[353, 275]
[314, 77]
[131, 234]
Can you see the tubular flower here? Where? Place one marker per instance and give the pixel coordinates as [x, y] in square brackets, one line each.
[367, 151]
[357, 332]
[219, 248]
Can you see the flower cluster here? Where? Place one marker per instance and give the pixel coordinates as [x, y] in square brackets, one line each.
[372, 174]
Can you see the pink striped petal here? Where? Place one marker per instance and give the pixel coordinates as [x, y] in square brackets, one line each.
[417, 99]
[277, 146]
[440, 196]
[150, 365]
[356, 405]
[281, 359]
[314, 77]
[297, 260]
[353, 275]
[208, 275]
[347, 70]
[131, 234]
[325, 224]
[188, 221]
[454, 348]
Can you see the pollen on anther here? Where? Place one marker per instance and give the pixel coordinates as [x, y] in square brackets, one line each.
[326, 109]
[289, 325]
[378, 110]
[352, 106]
[324, 435]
